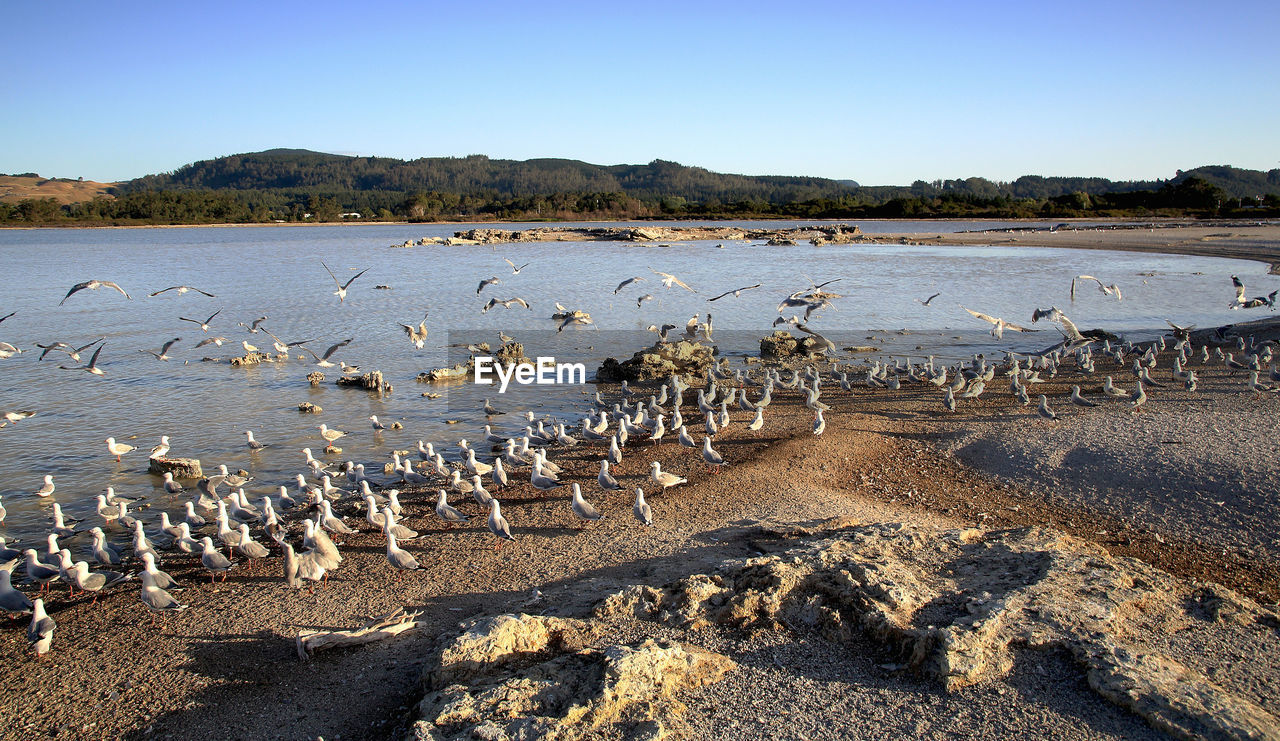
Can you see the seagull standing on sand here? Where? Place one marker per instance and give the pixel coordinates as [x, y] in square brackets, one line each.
[664, 479]
[40, 631]
[498, 524]
[581, 507]
[641, 509]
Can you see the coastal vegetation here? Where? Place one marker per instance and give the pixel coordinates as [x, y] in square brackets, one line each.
[300, 186]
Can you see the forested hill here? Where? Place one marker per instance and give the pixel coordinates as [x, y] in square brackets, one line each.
[303, 170]
[295, 169]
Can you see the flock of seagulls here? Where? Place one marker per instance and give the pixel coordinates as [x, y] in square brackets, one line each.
[222, 527]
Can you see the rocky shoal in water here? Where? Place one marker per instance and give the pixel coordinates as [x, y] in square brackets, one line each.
[816, 234]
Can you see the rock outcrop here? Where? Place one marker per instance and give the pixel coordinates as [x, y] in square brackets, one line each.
[957, 604]
[532, 677]
[682, 358]
[371, 381]
[782, 345]
[181, 468]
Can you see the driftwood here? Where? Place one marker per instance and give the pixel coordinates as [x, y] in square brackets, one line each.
[380, 628]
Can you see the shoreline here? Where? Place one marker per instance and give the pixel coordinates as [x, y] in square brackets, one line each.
[884, 458]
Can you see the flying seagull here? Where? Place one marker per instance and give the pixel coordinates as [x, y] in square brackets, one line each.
[998, 325]
[341, 293]
[181, 290]
[626, 283]
[323, 360]
[487, 282]
[163, 352]
[92, 367]
[92, 285]
[204, 326]
[668, 279]
[925, 302]
[736, 292]
[516, 270]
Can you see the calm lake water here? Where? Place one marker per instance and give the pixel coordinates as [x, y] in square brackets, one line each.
[205, 407]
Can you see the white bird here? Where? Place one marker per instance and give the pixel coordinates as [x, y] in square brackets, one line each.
[47, 488]
[328, 434]
[118, 449]
[156, 598]
[160, 450]
[253, 444]
[664, 479]
[341, 293]
[161, 579]
[104, 552]
[498, 524]
[606, 480]
[11, 600]
[641, 509]
[250, 548]
[215, 562]
[401, 559]
[713, 459]
[171, 486]
[581, 507]
[668, 279]
[446, 512]
[40, 631]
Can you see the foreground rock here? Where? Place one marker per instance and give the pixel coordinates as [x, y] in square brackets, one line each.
[683, 358]
[532, 677]
[955, 605]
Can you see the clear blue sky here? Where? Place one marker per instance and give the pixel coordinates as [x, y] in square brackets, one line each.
[879, 92]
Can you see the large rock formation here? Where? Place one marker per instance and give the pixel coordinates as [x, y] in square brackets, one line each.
[531, 677]
[683, 358]
[957, 604]
[781, 345]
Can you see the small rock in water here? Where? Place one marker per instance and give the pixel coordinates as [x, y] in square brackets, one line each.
[309, 408]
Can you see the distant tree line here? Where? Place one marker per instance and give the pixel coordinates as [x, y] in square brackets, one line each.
[1191, 197]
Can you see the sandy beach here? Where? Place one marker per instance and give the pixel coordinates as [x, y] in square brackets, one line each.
[1175, 503]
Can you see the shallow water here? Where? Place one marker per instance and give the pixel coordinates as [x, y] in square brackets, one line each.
[275, 271]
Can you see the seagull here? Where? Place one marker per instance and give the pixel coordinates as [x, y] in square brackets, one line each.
[819, 423]
[103, 552]
[92, 285]
[736, 292]
[156, 598]
[417, 335]
[323, 360]
[248, 547]
[40, 631]
[163, 352]
[1112, 289]
[664, 479]
[48, 487]
[642, 299]
[118, 449]
[160, 450]
[516, 270]
[398, 557]
[253, 327]
[487, 282]
[214, 561]
[1043, 410]
[668, 279]
[497, 523]
[641, 509]
[606, 480]
[713, 459]
[203, 325]
[1138, 397]
[626, 283]
[341, 293]
[181, 290]
[1079, 400]
[73, 352]
[253, 444]
[505, 304]
[925, 302]
[38, 571]
[11, 600]
[92, 367]
[998, 325]
[581, 507]
[574, 319]
[446, 512]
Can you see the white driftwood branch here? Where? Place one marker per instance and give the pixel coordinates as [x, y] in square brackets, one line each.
[380, 628]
